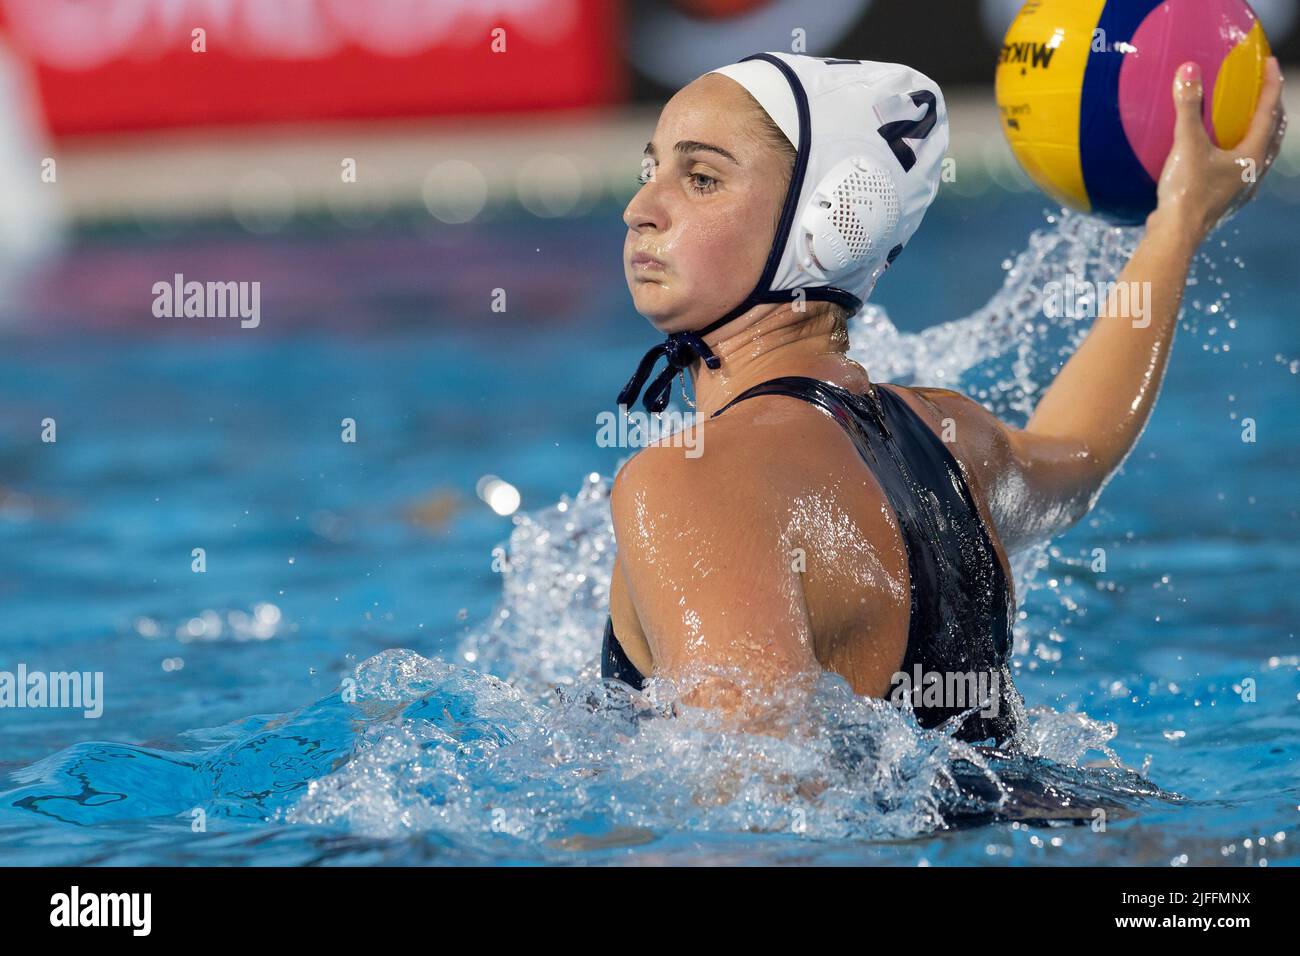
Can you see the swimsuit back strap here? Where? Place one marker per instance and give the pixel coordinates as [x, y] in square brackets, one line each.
[614, 663]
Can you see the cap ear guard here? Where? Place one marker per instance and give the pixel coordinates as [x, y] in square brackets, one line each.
[849, 217]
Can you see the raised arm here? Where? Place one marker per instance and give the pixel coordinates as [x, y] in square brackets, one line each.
[1045, 477]
[1106, 391]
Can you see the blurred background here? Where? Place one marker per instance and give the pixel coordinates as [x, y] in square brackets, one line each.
[447, 108]
[382, 168]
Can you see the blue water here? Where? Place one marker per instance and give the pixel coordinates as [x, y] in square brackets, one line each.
[352, 680]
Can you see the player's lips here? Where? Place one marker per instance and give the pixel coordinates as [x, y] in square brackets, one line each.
[646, 262]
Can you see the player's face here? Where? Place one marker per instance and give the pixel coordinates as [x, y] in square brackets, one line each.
[700, 227]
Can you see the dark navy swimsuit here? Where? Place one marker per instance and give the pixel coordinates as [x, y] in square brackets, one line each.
[961, 606]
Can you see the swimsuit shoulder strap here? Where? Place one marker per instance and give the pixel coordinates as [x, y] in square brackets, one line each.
[861, 416]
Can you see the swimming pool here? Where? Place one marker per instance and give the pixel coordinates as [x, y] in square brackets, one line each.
[369, 566]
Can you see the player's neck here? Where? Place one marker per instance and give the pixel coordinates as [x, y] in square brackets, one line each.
[785, 341]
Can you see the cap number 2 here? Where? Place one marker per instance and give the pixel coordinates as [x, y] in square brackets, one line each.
[897, 132]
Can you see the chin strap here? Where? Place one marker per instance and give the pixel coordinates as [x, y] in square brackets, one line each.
[681, 350]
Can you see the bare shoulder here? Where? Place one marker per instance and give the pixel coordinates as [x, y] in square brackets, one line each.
[770, 472]
[706, 470]
[1032, 486]
[703, 556]
[747, 475]
[983, 439]
[768, 447]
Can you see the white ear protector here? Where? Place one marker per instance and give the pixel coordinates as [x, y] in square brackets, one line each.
[851, 214]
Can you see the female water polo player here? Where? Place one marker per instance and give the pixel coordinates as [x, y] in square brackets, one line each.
[861, 528]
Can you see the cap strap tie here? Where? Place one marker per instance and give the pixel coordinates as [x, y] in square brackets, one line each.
[681, 349]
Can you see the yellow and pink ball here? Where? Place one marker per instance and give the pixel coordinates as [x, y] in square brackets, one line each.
[1084, 91]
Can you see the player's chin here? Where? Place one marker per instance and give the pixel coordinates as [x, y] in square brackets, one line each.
[654, 301]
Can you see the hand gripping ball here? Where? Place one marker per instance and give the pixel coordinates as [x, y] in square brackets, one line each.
[1084, 87]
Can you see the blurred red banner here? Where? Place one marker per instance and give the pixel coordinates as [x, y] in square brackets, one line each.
[110, 65]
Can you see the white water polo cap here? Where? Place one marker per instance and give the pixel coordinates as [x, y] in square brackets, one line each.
[870, 140]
